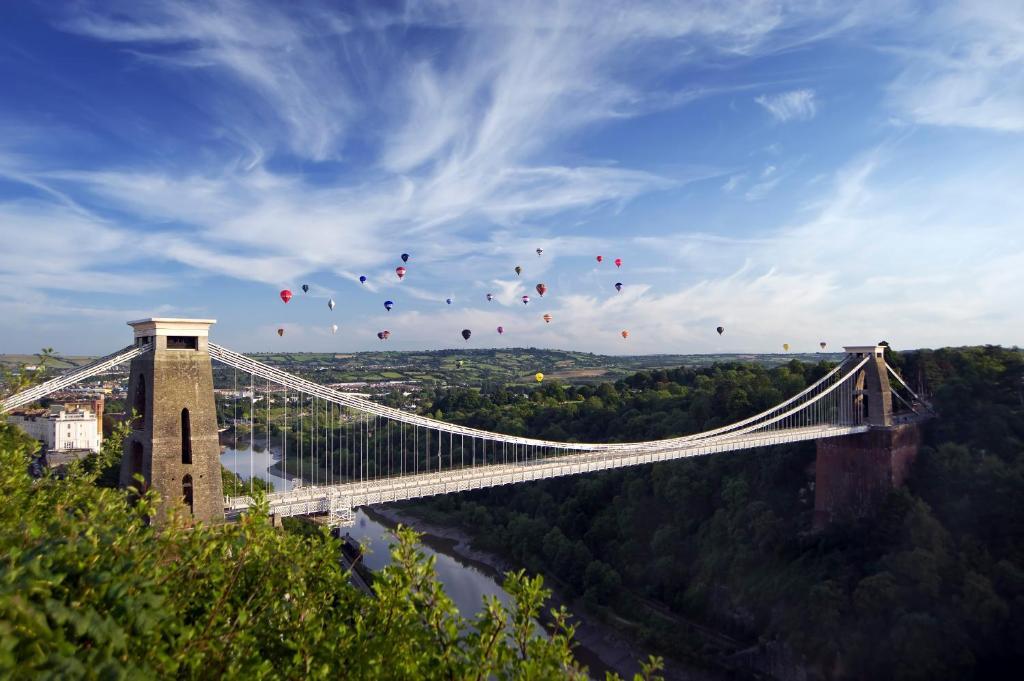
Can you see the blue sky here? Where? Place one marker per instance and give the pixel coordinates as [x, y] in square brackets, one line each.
[795, 173]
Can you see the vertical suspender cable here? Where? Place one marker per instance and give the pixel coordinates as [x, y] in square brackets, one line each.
[252, 424]
[284, 439]
[234, 430]
[268, 420]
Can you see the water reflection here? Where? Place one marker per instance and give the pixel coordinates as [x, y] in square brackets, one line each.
[465, 584]
[262, 464]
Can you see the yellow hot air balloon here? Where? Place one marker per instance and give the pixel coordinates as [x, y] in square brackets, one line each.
[539, 376]
[785, 346]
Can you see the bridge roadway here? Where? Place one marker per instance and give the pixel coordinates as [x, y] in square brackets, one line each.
[340, 499]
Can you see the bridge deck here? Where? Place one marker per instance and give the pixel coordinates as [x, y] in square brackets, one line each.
[339, 499]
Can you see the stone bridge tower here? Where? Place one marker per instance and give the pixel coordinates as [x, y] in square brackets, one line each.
[174, 443]
[854, 473]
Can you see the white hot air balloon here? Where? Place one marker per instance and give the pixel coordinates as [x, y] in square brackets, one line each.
[334, 328]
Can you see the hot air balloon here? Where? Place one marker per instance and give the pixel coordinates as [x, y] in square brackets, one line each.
[405, 257]
[822, 344]
[286, 295]
[519, 270]
[785, 346]
[490, 297]
[538, 377]
[387, 334]
[466, 333]
[400, 271]
[600, 258]
[334, 328]
[501, 330]
[540, 252]
[525, 299]
[280, 332]
[362, 278]
[388, 304]
[541, 289]
[720, 330]
[625, 333]
[618, 262]
[618, 286]
[305, 288]
[330, 303]
[547, 318]
[448, 300]
[380, 335]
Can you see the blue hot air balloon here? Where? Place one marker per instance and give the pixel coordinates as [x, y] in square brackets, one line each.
[405, 257]
[618, 286]
[448, 300]
[362, 278]
[388, 304]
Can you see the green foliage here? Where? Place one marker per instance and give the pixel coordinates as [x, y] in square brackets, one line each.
[931, 588]
[88, 588]
[105, 465]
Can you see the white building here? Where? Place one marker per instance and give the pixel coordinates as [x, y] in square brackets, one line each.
[60, 430]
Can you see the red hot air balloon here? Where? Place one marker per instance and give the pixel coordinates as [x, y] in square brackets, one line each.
[600, 258]
[525, 299]
[280, 332]
[618, 262]
[286, 295]
[541, 289]
[501, 330]
[400, 271]
[387, 334]
[547, 318]
[625, 333]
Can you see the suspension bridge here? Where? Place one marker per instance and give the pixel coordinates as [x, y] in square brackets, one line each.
[341, 451]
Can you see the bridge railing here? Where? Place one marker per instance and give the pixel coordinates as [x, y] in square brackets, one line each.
[100, 366]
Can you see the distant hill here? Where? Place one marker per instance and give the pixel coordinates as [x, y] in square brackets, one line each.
[480, 368]
[62, 362]
[490, 367]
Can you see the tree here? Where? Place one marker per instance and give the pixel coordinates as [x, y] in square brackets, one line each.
[91, 589]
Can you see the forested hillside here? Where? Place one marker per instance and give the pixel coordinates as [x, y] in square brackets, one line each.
[931, 588]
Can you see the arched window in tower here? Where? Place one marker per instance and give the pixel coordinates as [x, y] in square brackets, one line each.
[136, 463]
[139, 405]
[186, 492]
[186, 437]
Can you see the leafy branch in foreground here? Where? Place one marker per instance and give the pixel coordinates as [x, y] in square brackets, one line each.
[89, 588]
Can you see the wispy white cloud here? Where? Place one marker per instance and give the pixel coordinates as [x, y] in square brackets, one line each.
[795, 105]
[970, 71]
[279, 56]
[733, 182]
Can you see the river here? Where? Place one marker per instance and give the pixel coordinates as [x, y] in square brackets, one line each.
[466, 581]
[465, 584]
